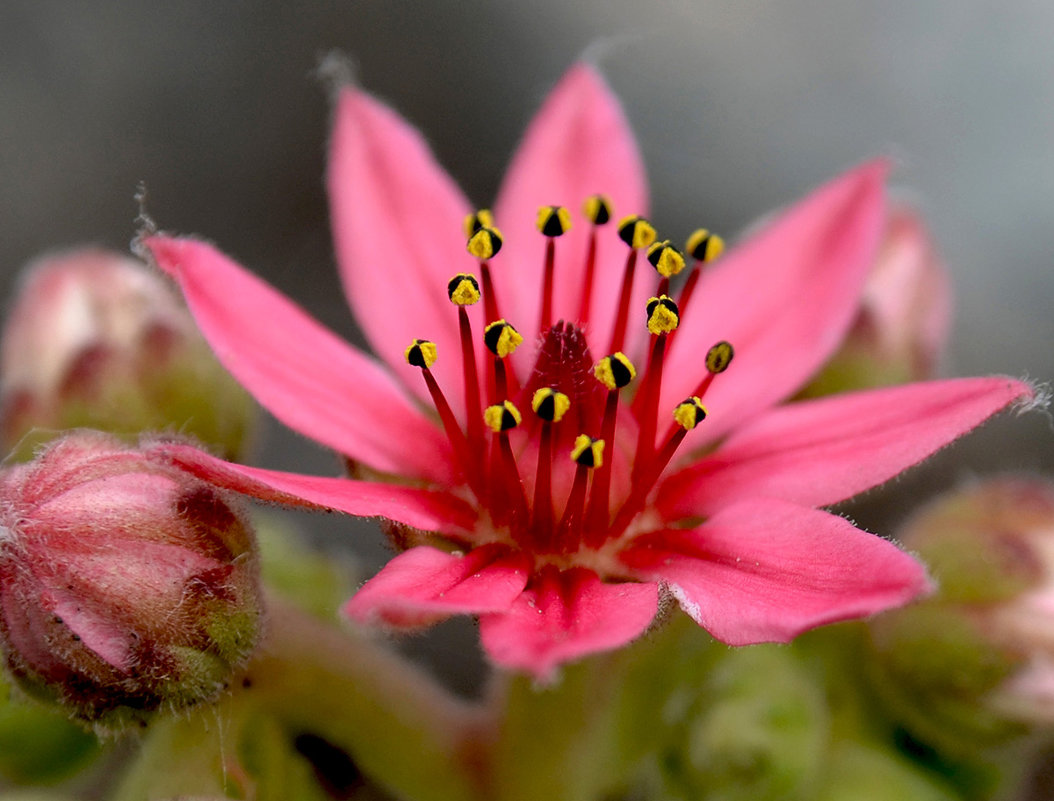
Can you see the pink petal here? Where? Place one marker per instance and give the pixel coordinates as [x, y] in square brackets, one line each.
[579, 144]
[424, 585]
[309, 378]
[820, 452]
[422, 509]
[766, 571]
[564, 615]
[398, 227]
[784, 299]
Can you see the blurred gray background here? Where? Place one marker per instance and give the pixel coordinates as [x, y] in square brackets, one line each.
[739, 107]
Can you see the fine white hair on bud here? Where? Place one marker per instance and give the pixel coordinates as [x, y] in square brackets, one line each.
[127, 586]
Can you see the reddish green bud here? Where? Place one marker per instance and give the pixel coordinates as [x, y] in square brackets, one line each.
[126, 585]
[98, 340]
[974, 663]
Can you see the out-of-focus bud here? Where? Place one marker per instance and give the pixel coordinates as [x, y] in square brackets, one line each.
[758, 730]
[901, 328]
[39, 744]
[974, 664]
[126, 585]
[98, 340]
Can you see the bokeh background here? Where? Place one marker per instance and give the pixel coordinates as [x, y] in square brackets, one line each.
[739, 106]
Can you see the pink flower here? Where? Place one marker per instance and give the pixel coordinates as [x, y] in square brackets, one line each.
[559, 559]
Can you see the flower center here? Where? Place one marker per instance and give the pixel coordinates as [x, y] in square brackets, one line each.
[556, 458]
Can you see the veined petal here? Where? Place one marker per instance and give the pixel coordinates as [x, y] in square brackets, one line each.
[784, 299]
[767, 570]
[424, 585]
[304, 374]
[564, 615]
[820, 452]
[579, 144]
[423, 509]
[397, 228]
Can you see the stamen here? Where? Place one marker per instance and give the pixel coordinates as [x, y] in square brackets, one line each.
[718, 358]
[501, 339]
[637, 233]
[553, 221]
[476, 220]
[667, 261]
[502, 416]
[614, 372]
[587, 453]
[687, 415]
[704, 247]
[597, 210]
[551, 406]
[463, 291]
[663, 318]
[422, 353]
[484, 243]
[509, 494]
[663, 315]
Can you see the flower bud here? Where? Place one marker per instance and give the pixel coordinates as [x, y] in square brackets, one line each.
[126, 585]
[901, 327]
[974, 663]
[758, 730]
[96, 339]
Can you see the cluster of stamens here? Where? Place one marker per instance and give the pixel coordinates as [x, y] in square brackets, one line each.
[573, 401]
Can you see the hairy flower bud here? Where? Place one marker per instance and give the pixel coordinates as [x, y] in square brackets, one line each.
[976, 661]
[96, 339]
[901, 327]
[126, 585]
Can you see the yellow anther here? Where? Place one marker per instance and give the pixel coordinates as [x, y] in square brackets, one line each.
[614, 371]
[422, 353]
[704, 246]
[588, 452]
[665, 258]
[663, 315]
[553, 220]
[463, 289]
[636, 232]
[485, 243]
[502, 417]
[689, 413]
[597, 209]
[501, 338]
[478, 219]
[719, 357]
[550, 405]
